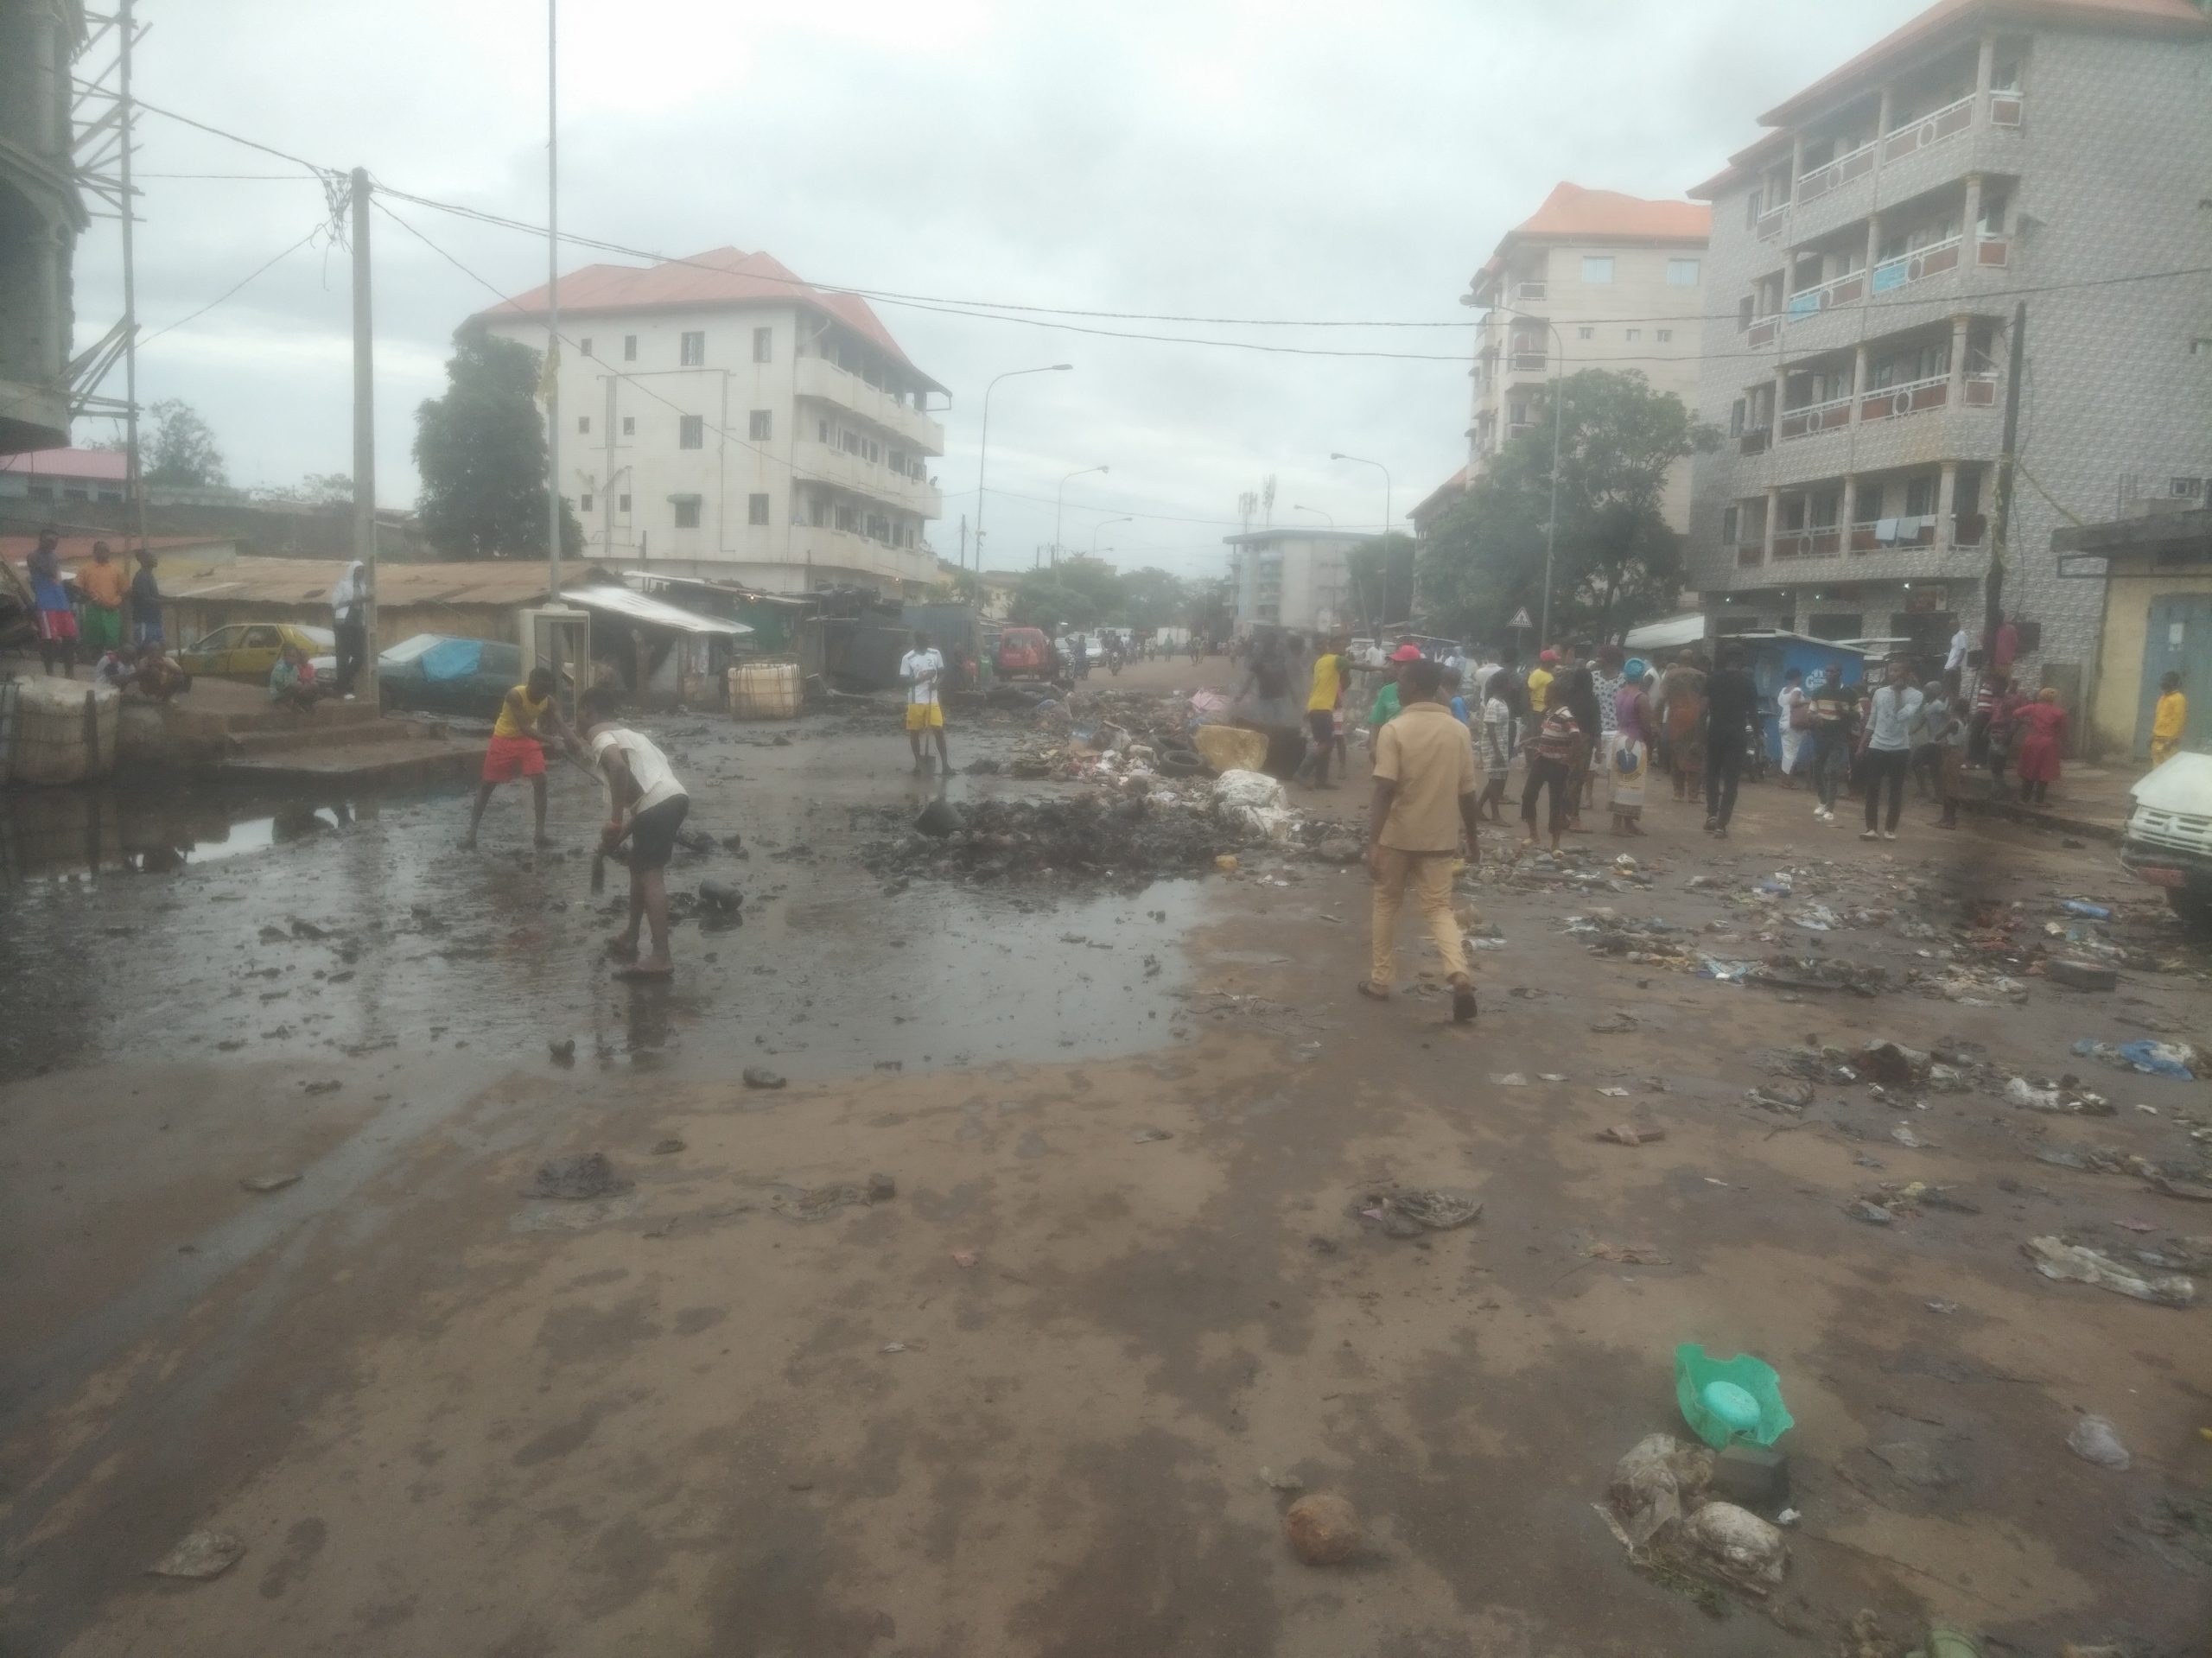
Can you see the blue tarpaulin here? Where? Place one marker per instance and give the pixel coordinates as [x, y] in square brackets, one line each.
[452, 658]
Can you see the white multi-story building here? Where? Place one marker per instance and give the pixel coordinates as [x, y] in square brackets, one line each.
[1867, 255]
[722, 418]
[1594, 279]
[1296, 579]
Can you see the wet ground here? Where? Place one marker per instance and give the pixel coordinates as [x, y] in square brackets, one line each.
[1023, 1404]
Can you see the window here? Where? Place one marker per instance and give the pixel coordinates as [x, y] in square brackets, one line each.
[622, 504]
[1919, 497]
[691, 432]
[1585, 331]
[1666, 336]
[849, 519]
[691, 349]
[1868, 505]
[2191, 489]
[584, 423]
[823, 430]
[583, 503]
[756, 508]
[1736, 419]
[1681, 273]
[629, 348]
[1636, 334]
[1992, 215]
[687, 510]
[2200, 346]
[1597, 267]
[1728, 517]
[1743, 314]
[585, 345]
[760, 425]
[629, 425]
[764, 345]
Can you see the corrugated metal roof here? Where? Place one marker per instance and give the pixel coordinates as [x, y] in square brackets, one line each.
[1668, 634]
[621, 602]
[308, 580]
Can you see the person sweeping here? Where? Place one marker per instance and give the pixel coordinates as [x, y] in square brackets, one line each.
[517, 750]
[646, 806]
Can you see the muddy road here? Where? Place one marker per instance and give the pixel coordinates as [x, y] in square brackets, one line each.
[1021, 1401]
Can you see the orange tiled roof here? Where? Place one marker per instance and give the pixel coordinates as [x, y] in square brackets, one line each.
[1570, 210]
[719, 276]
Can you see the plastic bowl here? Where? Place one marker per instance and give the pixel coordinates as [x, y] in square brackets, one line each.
[1695, 1377]
[1732, 1405]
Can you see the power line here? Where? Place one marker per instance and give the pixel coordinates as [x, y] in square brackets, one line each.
[315, 168]
[283, 255]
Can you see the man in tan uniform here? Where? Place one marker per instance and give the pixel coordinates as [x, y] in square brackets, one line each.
[1426, 805]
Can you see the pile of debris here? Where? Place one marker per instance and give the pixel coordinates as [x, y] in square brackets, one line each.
[1139, 838]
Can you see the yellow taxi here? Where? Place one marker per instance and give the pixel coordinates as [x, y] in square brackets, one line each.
[248, 651]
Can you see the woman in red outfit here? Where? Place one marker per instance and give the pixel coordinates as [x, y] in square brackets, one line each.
[2041, 726]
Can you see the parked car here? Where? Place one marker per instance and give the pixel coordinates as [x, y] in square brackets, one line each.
[440, 673]
[248, 651]
[2168, 840]
[1025, 653]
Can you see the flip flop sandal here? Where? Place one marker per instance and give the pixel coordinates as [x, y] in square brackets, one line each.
[1372, 991]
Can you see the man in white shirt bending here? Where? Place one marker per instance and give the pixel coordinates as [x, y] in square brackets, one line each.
[921, 667]
[646, 806]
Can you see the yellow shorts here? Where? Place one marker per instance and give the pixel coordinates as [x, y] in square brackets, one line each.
[924, 716]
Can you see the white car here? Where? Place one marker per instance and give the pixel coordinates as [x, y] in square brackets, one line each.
[2168, 841]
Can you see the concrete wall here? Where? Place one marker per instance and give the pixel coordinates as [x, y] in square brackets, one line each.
[2117, 697]
[187, 620]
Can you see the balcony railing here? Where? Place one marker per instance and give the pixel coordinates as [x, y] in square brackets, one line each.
[1529, 362]
[1750, 555]
[1993, 250]
[1931, 128]
[1824, 541]
[1907, 530]
[1764, 330]
[1756, 441]
[1524, 292]
[1768, 224]
[2005, 109]
[1918, 265]
[1847, 289]
[1911, 397]
[1815, 418]
[1851, 164]
[1515, 427]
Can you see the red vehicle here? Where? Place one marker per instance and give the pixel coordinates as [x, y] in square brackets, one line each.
[1024, 652]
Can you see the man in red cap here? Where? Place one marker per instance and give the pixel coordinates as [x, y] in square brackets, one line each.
[1387, 701]
[1539, 680]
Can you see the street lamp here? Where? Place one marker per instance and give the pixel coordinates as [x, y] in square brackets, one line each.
[1339, 455]
[1104, 524]
[1317, 512]
[1059, 505]
[983, 446]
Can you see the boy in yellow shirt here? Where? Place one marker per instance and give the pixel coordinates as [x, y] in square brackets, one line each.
[2167, 725]
[527, 716]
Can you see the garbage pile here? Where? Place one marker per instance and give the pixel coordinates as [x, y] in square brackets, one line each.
[1138, 838]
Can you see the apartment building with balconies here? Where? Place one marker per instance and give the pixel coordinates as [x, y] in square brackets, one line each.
[42, 215]
[1867, 254]
[1592, 279]
[721, 417]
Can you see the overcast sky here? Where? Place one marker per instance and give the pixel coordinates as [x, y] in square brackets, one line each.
[1202, 157]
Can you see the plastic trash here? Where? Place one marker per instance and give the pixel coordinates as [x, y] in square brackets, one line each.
[2084, 907]
[1738, 1545]
[2152, 1059]
[2020, 1091]
[2095, 1439]
[1732, 1405]
[1694, 1373]
[2054, 1258]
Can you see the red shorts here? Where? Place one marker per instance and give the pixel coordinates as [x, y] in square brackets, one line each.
[513, 757]
[55, 626]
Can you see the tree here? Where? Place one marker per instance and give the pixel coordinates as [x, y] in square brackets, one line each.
[1152, 598]
[179, 447]
[481, 450]
[1073, 595]
[1382, 581]
[1616, 561]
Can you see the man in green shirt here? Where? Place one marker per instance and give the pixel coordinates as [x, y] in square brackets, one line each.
[1387, 702]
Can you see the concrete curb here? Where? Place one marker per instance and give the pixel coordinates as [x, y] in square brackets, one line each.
[2049, 817]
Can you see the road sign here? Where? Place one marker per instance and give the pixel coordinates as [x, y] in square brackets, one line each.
[1521, 619]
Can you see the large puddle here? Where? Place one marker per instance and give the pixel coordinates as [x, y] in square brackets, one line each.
[201, 925]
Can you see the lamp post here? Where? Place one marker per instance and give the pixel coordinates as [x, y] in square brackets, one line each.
[984, 445]
[1059, 503]
[1106, 523]
[1317, 512]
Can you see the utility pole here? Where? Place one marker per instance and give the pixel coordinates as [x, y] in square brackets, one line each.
[134, 468]
[364, 432]
[2000, 515]
[607, 483]
[552, 308]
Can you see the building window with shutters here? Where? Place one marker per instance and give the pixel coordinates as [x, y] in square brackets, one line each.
[764, 345]
[584, 423]
[760, 425]
[629, 348]
[691, 350]
[687, 510]
[756, 508]
[629, 425]
[583, 502]
[691, 432]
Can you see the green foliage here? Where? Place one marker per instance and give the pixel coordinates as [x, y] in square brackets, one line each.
[1383, 580]
[317, 489]
[1616, 561]
[1083, 595]
[481, 450]
[178, 448]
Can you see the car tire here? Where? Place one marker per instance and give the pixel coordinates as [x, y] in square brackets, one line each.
[2192, 906]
